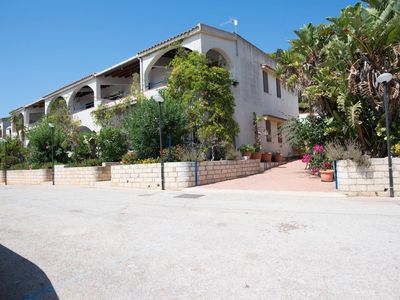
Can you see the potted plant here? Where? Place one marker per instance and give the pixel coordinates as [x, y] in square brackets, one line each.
[266, 157]
[326, 171]
[246, 150]
[278, 156]
[257, 152]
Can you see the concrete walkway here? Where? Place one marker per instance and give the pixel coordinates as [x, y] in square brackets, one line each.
[289, 177]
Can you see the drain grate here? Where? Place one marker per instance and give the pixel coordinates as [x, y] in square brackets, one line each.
[189, 196]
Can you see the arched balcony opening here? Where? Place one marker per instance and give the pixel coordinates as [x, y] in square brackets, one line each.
[161, 69]
[57, 104]
[216, 58]
[81, 100]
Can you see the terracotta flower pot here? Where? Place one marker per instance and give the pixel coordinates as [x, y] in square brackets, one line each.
[256, 155]
[326, 175]
[266, 157]
[278, 157]
[246, 153]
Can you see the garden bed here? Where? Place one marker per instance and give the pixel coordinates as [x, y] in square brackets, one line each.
[367, 181]
[29, 177]
[181, 174]
[82, 175]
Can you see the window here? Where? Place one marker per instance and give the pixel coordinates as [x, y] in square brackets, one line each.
[265, 82]
[280, 140]
[268, 130]
[278, 88]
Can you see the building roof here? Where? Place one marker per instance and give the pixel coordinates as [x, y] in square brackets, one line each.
[171, 40]
[69, 85]
[122, 68]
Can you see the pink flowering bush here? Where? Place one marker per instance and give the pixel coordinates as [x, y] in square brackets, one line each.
[319, 149]
[317, 160]
[306, 158]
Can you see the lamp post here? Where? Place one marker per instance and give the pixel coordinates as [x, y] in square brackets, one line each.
[5, 161]
[160, 100]
[385, 79]
[52, 150]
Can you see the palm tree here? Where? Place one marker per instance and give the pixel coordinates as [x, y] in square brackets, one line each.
[335, 67]
[17, 122]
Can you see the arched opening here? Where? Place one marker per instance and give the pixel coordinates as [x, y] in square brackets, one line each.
[83, 99]
[84, 129]
[8, 131]
[160, 70]
[57, 104]
[216, 59]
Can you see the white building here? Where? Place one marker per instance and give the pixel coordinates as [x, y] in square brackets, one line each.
[256, 89]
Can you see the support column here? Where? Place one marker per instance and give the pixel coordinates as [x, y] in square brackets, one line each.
[96, 87]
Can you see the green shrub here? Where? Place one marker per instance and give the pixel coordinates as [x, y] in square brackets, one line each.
[40, 141]
[29, 166]
[83, 146]
[246, 148]
[351, 150]
[231, 153]
[193, 153]
[175, 153]
[129, 158]
[111, 144]
[86, 163]
[303, 134]
[396, 149]
[150, 160]
[15, 152]
[142, 126]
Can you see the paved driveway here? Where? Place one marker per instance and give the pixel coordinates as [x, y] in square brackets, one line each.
[288, 177]
[102, 243]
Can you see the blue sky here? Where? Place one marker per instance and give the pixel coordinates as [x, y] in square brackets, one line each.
[47, 44]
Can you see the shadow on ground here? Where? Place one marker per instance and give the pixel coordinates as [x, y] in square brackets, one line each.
[22, 279]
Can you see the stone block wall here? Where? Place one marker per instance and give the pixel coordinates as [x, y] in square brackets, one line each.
[372, 181]
[29, 177]
[87, 176]
[216, 171]
[2, 177]
[181, 174]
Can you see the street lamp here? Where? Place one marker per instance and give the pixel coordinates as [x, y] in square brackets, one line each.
[160, 100]
[5, 161]
[52, 150]
[385, 79]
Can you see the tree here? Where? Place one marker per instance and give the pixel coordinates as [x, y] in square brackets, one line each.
[304, 134]
[111, 144]
[206, 94]
[15, 152]
[40, 143]
[335, 66]
[142, 125]
[60, 114]
[17, 122]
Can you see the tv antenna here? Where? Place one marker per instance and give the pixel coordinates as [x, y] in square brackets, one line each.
[232, 21]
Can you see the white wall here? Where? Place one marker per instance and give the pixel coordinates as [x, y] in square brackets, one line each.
[244, 62]
[193, 43]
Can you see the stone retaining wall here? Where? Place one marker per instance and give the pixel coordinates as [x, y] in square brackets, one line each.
[372, 181]
[29, 177]
[2, 177]
[82, 175]
[181, 174]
